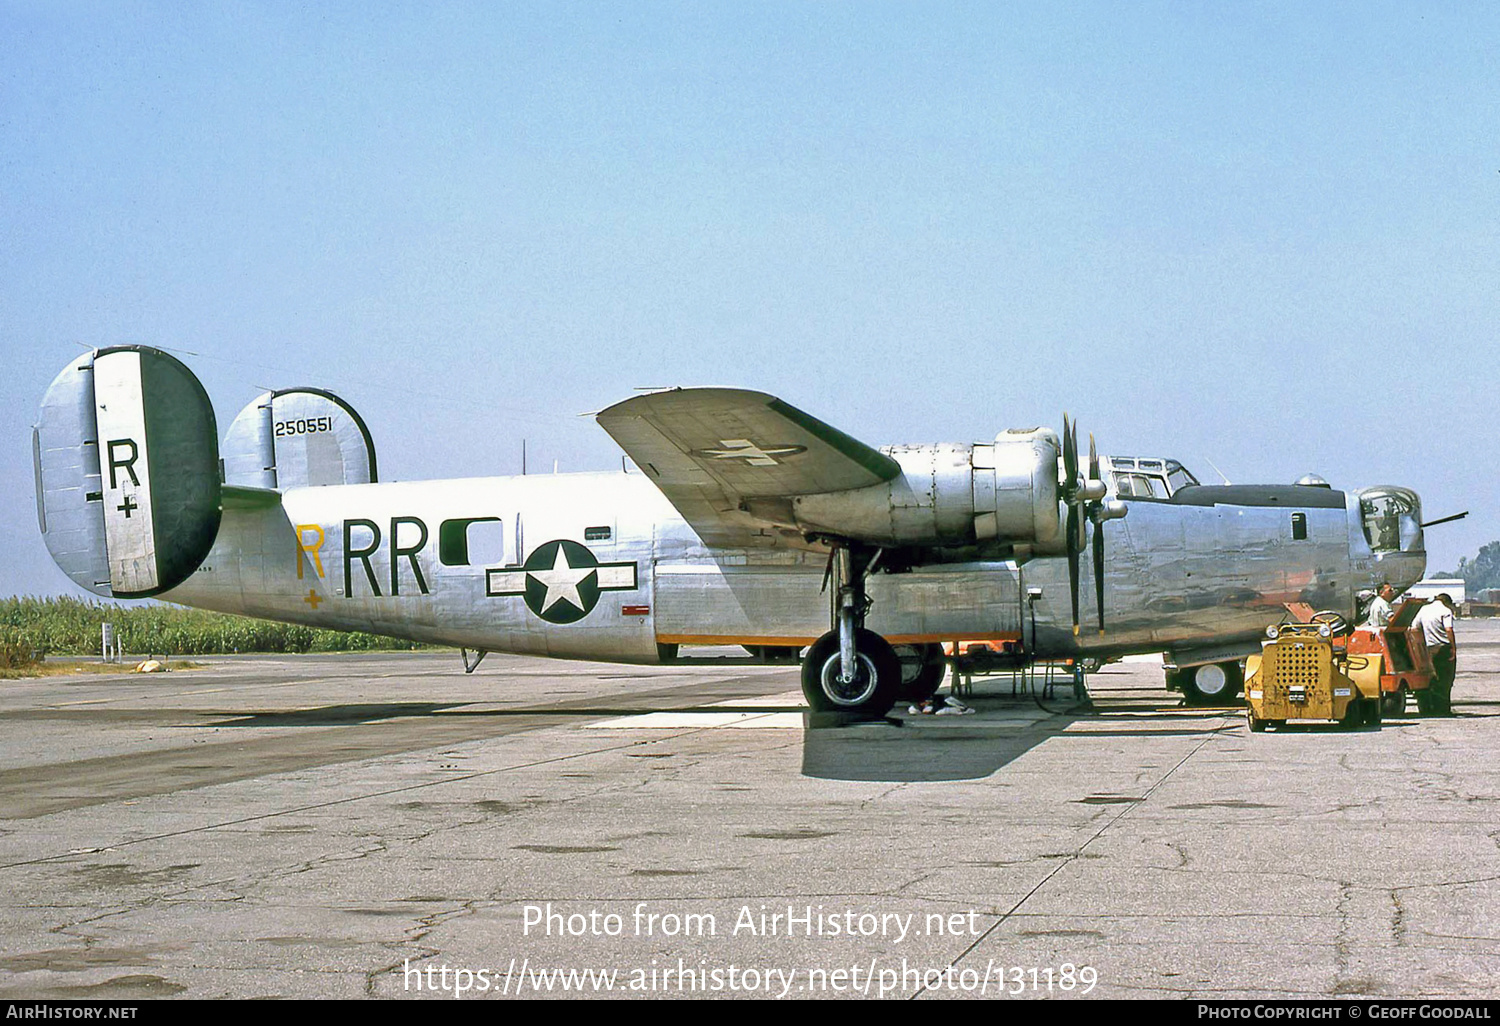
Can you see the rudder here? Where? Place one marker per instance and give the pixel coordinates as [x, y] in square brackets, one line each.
[127, 472]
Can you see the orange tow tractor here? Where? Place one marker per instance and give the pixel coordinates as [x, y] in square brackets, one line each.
[1400, 653]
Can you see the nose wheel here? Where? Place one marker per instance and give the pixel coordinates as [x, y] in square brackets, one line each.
[1211, 683]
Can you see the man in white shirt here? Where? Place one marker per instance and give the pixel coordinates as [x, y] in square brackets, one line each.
[1436, 621]
[1380, 609]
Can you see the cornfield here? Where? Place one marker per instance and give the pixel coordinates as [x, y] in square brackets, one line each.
[31, 627]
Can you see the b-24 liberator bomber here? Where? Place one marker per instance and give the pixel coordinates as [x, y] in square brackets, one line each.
[747, 522]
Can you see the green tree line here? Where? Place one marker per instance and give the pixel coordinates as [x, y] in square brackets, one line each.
[71, 626]
[1483, 571]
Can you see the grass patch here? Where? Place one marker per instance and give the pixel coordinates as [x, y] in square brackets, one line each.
[32, 627]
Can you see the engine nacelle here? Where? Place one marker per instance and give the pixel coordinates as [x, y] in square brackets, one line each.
[1002, 492]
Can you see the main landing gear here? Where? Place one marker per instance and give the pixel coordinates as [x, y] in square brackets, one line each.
[1211, 683]
[851, 669]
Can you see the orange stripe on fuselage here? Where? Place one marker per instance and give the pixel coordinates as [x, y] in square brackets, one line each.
[799, 642]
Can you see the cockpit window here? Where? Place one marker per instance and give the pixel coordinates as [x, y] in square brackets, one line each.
[1392, 518]
[1179, 477]
[1140, 486]
[1143, 478]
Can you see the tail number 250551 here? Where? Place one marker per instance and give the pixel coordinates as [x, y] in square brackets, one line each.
[309, 426]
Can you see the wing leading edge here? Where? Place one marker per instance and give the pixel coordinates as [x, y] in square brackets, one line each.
[729, 459]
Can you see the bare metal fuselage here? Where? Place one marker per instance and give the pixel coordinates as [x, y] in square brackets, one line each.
[381, 558]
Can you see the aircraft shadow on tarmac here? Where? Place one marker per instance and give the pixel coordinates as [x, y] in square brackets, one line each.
[888, 753]
[916, 753]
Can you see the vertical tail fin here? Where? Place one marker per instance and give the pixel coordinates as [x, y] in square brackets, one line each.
[127, 470]
[295, 438]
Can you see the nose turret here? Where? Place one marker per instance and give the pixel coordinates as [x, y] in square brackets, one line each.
[1391, 521]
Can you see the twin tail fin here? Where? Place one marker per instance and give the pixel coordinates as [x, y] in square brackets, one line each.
[130, 482]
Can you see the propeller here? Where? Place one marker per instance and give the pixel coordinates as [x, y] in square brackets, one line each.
[1095, 508]
[1085, 497]
[1070, 493]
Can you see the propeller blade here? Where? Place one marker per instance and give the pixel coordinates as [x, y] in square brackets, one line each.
[1073, 550]
[1070, 457]
[1073, 444]
[1098, 537]
[1099, 570]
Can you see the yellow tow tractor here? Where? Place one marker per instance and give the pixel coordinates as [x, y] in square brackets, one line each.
[1305, 672]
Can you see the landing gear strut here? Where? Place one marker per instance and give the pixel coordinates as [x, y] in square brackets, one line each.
[1080, 686]
[851, 669]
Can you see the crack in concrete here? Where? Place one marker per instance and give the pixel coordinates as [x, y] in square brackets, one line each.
[414, 935]
[866, 803]
[1341, 936]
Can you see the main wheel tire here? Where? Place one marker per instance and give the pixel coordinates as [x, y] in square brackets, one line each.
[877, 678]
[922, 671]
[1257, 725]
[1211, 683]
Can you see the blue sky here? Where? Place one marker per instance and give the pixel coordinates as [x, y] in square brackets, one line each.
[1259, 234]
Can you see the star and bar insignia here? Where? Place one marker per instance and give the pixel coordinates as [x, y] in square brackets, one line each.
[754, 455]
[561, 580]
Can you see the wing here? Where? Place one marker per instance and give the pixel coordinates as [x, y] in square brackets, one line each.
[731, 460]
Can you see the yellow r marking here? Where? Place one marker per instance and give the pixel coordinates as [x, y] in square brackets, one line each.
[311, 550]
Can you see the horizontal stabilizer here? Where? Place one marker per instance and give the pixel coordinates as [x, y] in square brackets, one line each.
[295, 438]
[245, 497]
[127, 469]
